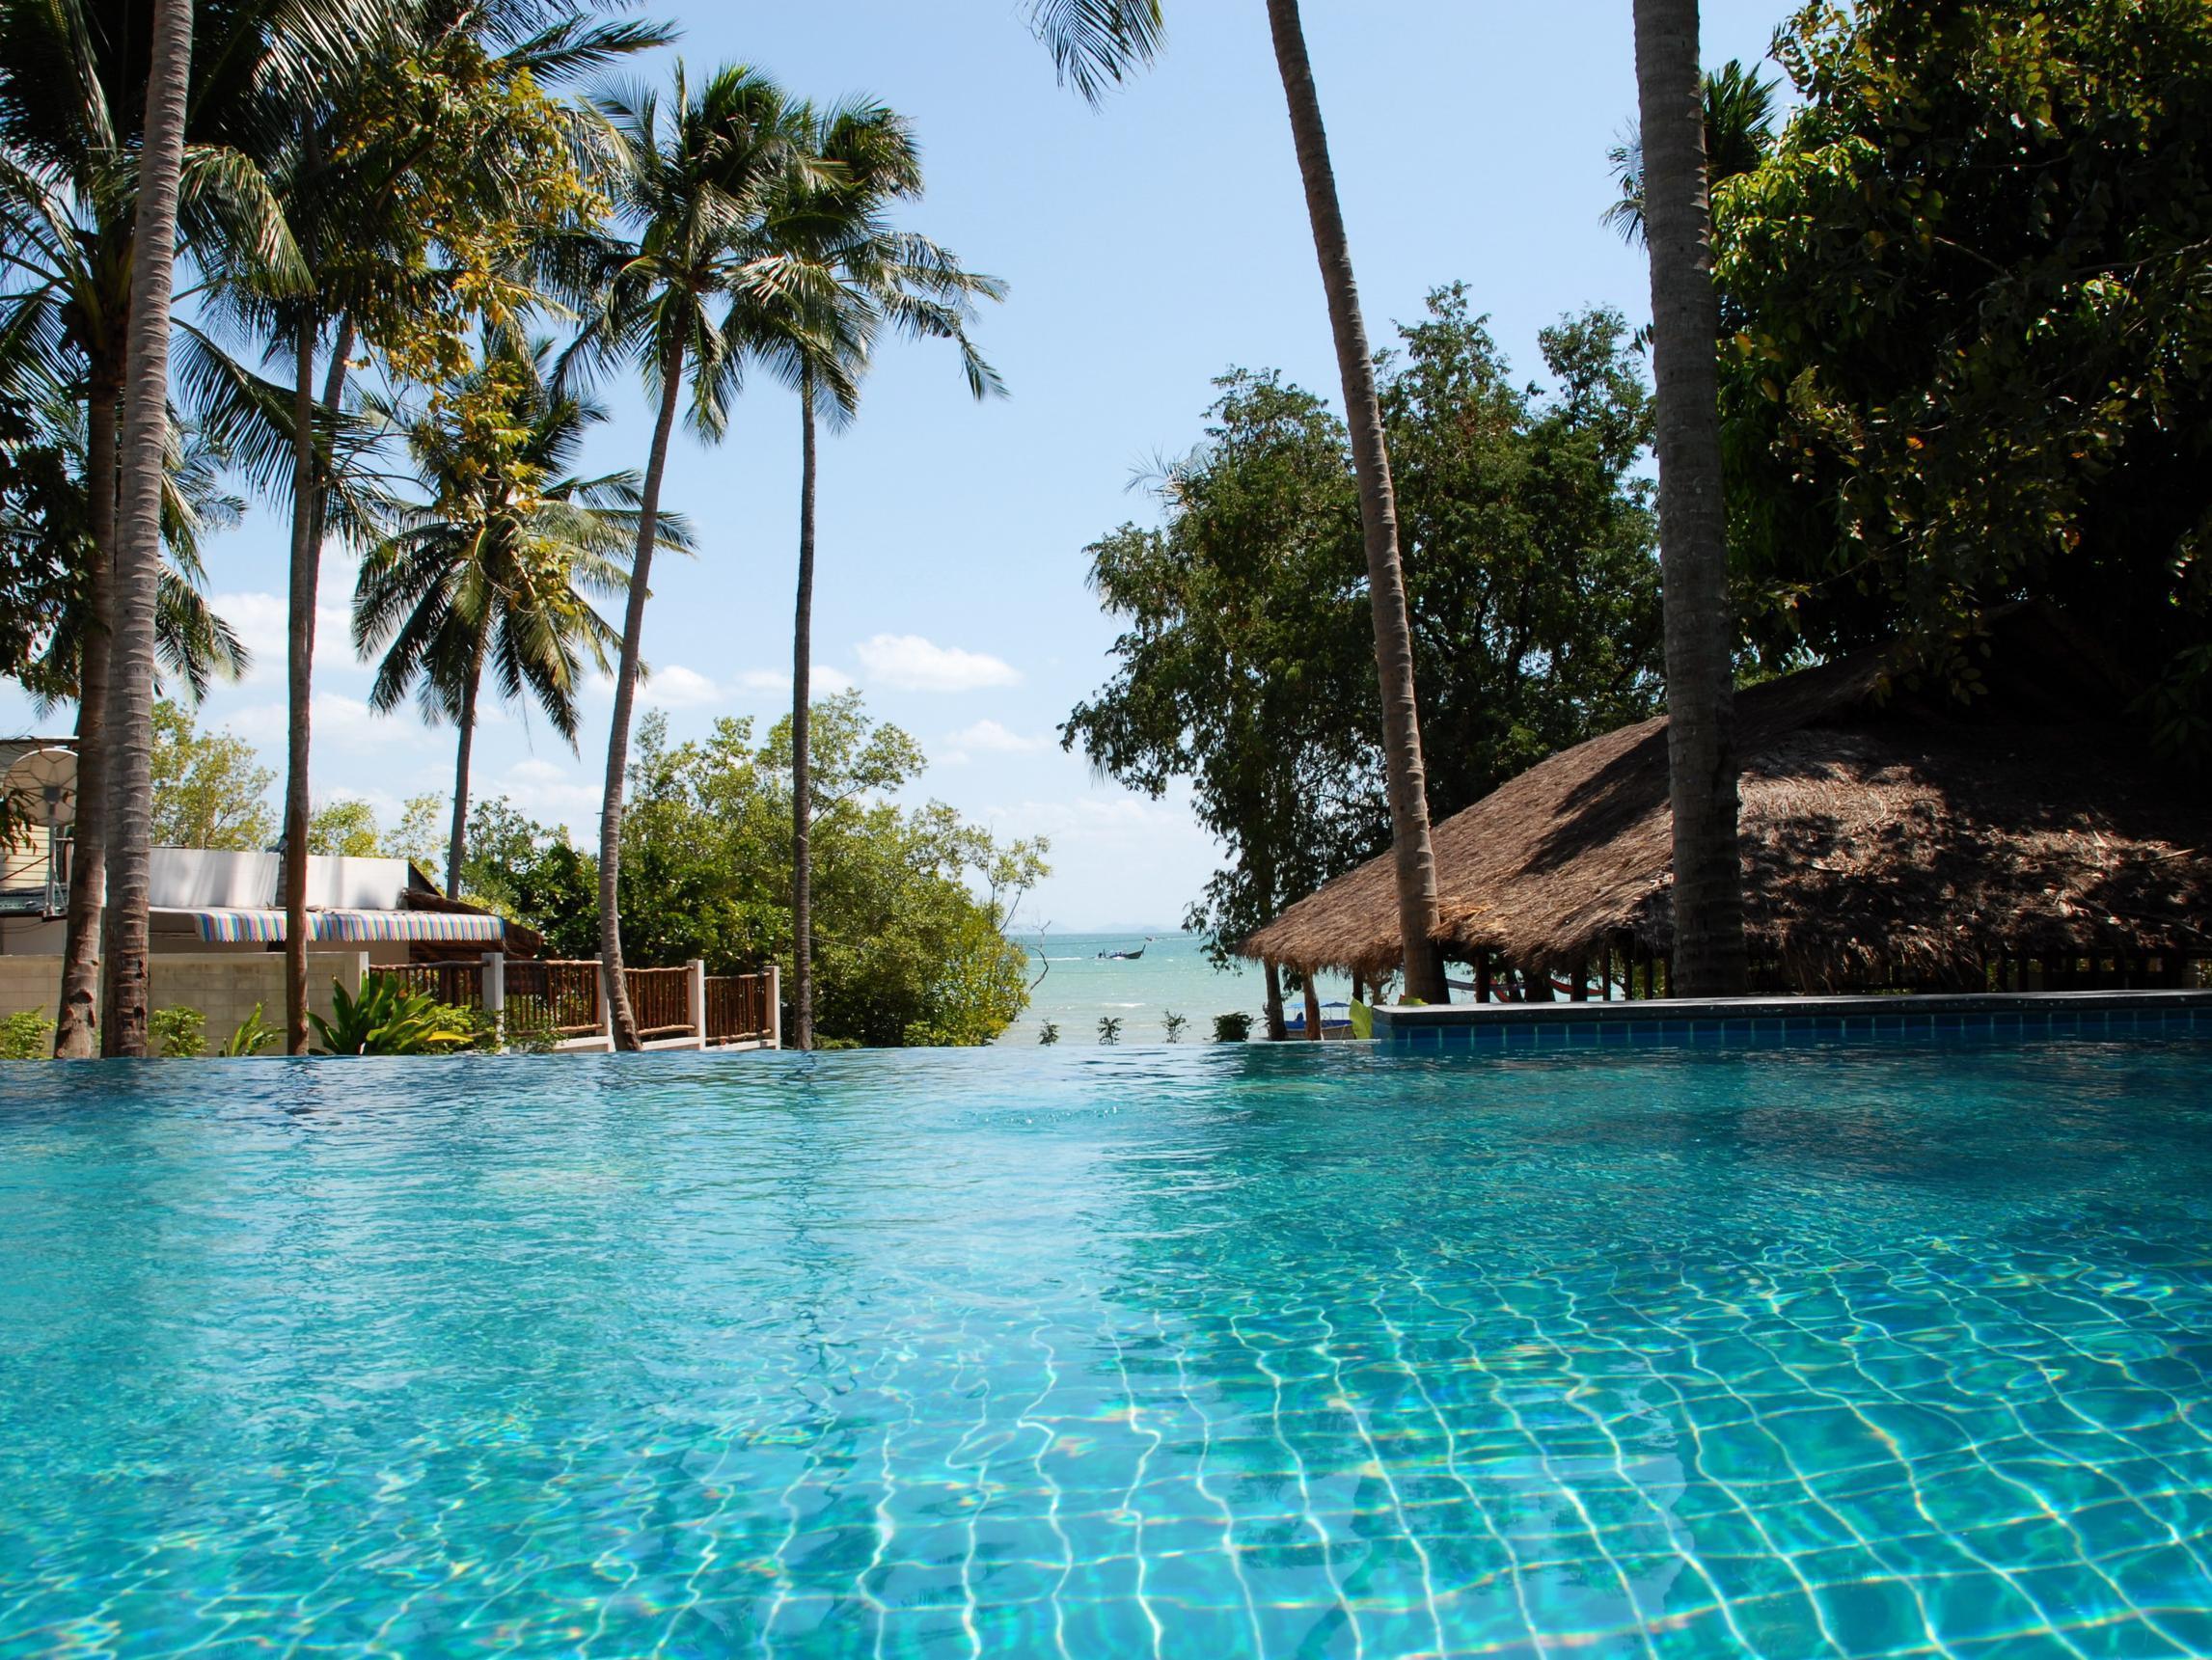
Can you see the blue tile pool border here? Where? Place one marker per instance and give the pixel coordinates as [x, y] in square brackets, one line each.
[1794, 1022]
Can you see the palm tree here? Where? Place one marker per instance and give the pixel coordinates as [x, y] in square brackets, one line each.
[1095, 42]
[1405, 776]
[1738, 134]
[690, 180]
[67, 238]
[862, 275]
[488, 571]
[1709, 960]
[129, 819]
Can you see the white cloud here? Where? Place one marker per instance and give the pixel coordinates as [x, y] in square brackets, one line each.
[824, 680]
[990, 736]
[262, 623]
[334, 718]
[677, 686]
[908, 662]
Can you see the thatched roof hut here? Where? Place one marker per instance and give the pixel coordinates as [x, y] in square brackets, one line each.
[1891, 837]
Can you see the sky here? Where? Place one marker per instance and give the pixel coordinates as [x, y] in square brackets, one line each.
[1149, 245]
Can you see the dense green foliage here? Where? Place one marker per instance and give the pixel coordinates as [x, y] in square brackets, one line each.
[387, 1018]
[209, 788]
[1247, 665]
[1967, 336]
[907, 951]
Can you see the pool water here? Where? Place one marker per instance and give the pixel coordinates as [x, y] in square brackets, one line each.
[1201, 1352]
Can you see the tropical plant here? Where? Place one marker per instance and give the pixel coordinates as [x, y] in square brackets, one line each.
[254, 1036]
[1707, 895]
[1739, 132]
[689, 179]
[68, 220]
[493, 570]
[181, 1032]
[1109, 1028]
[424, 175]
[23, 1036]
[846, 274]
[1048, 1032]
[1234, 1029]
[1174, 1025]
[387, 1018]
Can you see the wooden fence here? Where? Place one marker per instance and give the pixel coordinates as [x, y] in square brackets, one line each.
[563, 995]
[738, 1009]
[461, 984]
[672, 1007]
[660, 1001]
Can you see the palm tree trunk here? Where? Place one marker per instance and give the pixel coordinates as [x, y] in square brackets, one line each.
[299, 678]
[457, 846]
[310, 485]
[1693, 525]
[1278, 1028]
[801, 780]
[625, 1023]
[1416, 865]
[1313, 1008]
[138, 545]
[76, 1024]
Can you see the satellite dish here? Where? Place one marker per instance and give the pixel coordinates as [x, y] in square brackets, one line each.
[46, 780]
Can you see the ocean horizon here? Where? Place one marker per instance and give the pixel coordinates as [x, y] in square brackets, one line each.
[1074, 986]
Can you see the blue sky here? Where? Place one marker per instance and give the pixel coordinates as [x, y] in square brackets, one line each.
[1149, 245]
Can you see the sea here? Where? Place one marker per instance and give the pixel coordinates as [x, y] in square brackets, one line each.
[1076, 986]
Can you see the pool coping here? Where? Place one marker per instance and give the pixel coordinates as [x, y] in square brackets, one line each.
[1728, 1023]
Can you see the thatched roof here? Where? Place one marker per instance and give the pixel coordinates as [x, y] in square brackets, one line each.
[1884, 832]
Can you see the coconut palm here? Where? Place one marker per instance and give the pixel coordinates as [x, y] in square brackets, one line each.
[690, 179]
[66, 237]
[1708, 898]
[1738, 134]
[871, 277]
[493, 570]
[371, 216]
[139, 460]
[1095, 42]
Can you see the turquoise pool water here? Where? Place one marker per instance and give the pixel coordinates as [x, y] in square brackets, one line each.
[1210, 1352]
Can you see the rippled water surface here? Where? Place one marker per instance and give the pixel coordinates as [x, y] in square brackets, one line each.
[1211, 1351]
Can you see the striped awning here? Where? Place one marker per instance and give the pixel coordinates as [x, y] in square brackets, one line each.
[230, 927]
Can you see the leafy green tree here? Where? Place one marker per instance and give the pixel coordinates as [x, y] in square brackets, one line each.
[345, 830]
[533, 874]
[493, 572]
[1244, 661]
[1968, 340]
[208, 789]
[914, 904]
[420, 835]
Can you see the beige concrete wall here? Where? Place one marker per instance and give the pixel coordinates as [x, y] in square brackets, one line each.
[222, 986]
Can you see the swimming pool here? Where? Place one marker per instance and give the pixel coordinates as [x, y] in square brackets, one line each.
[1214, 1351]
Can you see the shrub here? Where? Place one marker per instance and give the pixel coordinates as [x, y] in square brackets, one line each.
[252, 1036]
[181, 1032]
[1048, 1032]
[24, 1037]
[1175, 1023]
[1232, 1029]
[1110, 1029]
[387, 1018]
